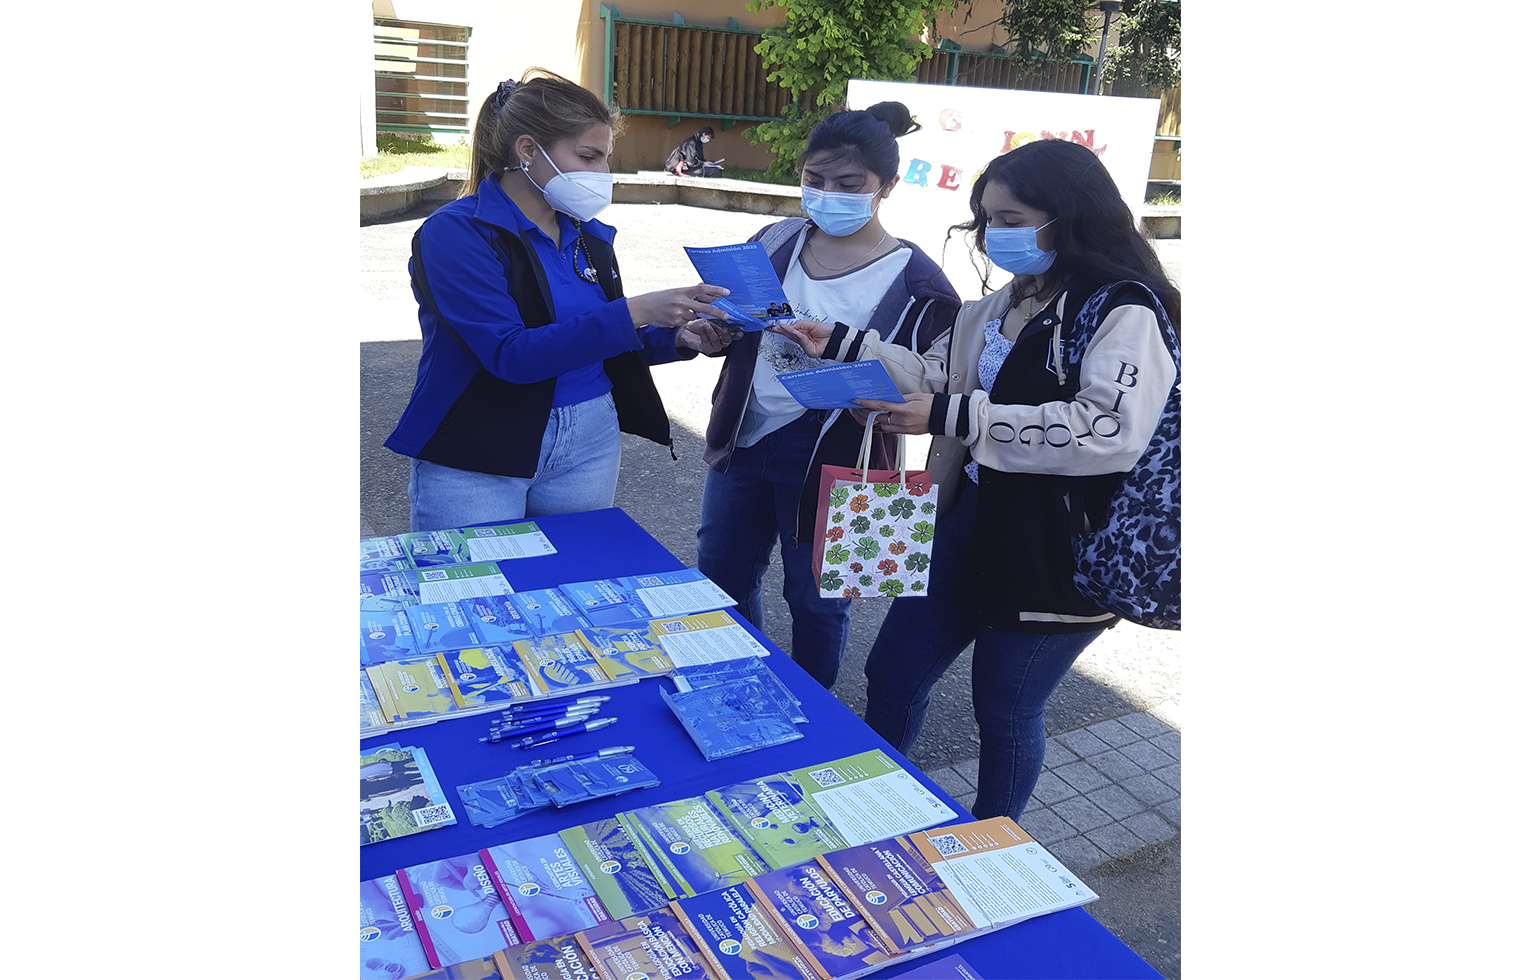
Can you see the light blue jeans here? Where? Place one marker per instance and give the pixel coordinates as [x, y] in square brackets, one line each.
[578, 469]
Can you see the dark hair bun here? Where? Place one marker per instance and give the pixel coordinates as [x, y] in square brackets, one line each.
[896, 116]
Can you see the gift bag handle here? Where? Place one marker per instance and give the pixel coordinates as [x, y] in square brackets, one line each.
[863, 461]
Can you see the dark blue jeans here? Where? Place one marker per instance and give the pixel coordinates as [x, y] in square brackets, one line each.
[742, 513]
[1013, 672]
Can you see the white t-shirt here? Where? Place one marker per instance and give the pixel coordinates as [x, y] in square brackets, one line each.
[849, 299]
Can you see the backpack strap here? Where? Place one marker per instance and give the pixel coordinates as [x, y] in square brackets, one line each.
[778, 234]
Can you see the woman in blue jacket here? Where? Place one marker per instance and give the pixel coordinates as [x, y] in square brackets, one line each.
[533, 359]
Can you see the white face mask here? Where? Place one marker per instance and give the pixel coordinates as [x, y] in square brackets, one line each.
[580, 193]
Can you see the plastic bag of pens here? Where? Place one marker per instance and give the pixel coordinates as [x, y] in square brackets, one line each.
[554, 782]
[734, 707]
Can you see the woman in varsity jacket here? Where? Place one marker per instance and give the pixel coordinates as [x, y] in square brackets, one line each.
[1027, 450]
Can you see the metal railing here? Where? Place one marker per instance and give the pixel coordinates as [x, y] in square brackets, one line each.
[684, 70]
[681, 70]
[420, 77]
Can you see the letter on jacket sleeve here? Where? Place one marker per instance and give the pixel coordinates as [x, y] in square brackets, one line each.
[1125, 377]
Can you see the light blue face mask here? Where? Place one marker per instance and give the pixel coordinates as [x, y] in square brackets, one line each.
[837, 213]
[1015, 249]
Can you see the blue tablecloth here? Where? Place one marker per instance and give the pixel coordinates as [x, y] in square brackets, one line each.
[608, 544]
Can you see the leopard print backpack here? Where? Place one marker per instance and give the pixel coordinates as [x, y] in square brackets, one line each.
[1132, 564]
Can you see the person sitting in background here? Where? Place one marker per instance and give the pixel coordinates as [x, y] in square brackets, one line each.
[689, 157]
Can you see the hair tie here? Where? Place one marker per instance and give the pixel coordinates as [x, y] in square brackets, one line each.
[504, 92]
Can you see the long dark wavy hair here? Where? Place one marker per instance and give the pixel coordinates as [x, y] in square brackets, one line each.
[1095, 235]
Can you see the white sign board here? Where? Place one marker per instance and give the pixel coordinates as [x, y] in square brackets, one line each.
[963, 128]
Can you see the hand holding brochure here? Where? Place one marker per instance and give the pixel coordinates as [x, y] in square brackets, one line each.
[745, 270]
[839, 385]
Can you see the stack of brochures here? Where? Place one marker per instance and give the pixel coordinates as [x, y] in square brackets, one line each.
[827, 872]
[398, 794]
[442, 632]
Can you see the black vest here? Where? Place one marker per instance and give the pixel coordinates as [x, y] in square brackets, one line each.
[496, 426]
[1025, 556]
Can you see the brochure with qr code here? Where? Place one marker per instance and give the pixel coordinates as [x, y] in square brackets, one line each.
[384, 636]
[626, 652]
[650, 946]
[705, 638]
[371, 716]
[791, 817]
[499, 542]
[412, 690]
[382, 554]
[456, 910]
[448, 583]
[388, 946]
[998, 872]
[497, 618]
[739, 938]
[820, 921]
[615, 865]
[431, 548]
[559, 958]
[549, 611]
[488, 674]
[691, 845]
[905, 901]
[561, 662]
[634, 599]
[382, 590]
[544, 890]
[440, 626]
[399, 794]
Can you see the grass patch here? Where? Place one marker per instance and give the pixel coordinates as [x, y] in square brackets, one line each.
[1164, 198]
[399, 152]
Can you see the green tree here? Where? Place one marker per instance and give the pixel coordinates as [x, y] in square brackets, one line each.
[821, 45]
[1149, 48]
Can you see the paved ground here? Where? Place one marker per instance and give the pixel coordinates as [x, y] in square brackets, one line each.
[1109, 802]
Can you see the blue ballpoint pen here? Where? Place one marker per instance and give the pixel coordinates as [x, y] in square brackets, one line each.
[536, 725]
[538, 706]
[539, 724]
[577, 709]
[555, 733]
[554, 709]
[613, 750]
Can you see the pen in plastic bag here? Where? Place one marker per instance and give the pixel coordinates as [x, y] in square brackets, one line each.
[613, 750]
[543, 737]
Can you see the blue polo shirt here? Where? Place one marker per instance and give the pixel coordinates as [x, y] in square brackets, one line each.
[470, 289]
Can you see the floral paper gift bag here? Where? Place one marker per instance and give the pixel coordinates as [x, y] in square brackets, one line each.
[876, 529]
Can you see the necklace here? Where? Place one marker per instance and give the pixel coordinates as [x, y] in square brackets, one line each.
[845, 268]
[588, 273]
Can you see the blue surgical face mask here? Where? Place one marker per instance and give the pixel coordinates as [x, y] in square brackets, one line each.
[1015, 249]
[836, 213]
